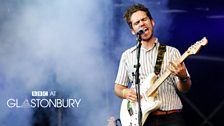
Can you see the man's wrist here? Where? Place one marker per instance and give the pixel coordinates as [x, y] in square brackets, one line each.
[184, 79]
[123, 93]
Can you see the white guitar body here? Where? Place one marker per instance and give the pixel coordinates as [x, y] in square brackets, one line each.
[148, 90]
[148, 104]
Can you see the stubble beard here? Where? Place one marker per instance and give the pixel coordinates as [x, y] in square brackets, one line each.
[148, 39]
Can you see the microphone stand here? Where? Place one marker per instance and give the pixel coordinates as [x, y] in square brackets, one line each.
[137, 80]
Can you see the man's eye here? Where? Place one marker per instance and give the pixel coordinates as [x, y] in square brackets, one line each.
[145, 19]
[136, 23]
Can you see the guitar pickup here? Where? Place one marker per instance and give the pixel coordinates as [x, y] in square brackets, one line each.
[130, 110]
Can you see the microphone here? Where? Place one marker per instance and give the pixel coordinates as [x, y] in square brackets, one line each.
[140, 31]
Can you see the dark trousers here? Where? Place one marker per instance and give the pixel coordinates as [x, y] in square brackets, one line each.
[173, 119]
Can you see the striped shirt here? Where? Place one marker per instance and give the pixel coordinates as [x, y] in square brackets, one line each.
[167, 90]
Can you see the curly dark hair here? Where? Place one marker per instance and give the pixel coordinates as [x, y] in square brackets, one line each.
[134, 8]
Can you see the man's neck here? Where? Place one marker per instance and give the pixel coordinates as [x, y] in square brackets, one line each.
[147, 44]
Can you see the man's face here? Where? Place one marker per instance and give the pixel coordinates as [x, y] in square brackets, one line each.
[139, 20]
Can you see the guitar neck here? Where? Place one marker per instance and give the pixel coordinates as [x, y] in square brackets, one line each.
[166, 74]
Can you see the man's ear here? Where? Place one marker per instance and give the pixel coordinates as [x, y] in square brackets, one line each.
[153, 23]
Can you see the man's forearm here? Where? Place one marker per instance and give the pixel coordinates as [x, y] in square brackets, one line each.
[184, 85]
[119, 90]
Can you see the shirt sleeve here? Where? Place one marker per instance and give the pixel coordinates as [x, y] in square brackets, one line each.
[122, 74]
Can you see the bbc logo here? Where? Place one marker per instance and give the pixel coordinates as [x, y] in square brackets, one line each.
[39, 93]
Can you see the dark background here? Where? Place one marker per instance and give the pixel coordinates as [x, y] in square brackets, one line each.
[74, 47]
[189, 21]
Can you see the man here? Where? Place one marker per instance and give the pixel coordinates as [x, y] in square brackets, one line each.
[138, 17]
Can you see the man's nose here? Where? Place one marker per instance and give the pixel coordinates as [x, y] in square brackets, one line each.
[141, 23]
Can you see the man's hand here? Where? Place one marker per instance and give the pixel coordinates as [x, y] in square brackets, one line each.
[178, 69]
[129, 94]
[125, 92]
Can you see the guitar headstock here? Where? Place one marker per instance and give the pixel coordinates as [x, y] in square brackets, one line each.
[195, 48]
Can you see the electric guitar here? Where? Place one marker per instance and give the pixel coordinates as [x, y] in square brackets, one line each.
[148, 90]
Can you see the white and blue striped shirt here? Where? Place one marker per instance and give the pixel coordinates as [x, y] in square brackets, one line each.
[167, 90]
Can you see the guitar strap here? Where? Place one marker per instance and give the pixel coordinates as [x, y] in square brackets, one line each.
[160, 57]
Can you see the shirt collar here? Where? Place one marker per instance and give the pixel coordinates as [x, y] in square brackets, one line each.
[155, 44]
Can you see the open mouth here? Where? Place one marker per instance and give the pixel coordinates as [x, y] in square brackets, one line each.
[146, 30]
